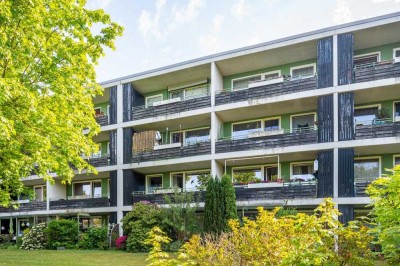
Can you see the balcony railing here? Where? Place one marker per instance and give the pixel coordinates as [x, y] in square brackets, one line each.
[26, 206]
[185, 105]
[259, 90]
[360, 187]
[264, 140]
[379, 128]
[376, 71]
[192, 149]
[99, 161]
[83, 203]
[102, 120]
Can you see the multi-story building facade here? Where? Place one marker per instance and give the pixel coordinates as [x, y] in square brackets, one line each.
[311, 116]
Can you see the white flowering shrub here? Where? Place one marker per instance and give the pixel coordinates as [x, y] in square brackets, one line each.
[35, 239]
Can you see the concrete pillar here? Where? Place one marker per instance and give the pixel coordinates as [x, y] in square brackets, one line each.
[216, 169]
[335, 172]
[216, 82]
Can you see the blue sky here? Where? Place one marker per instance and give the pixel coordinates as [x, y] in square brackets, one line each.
[164, 32]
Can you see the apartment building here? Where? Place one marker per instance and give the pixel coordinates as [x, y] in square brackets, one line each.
[310, 116]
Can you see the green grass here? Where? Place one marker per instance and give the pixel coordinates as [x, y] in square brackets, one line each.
[70, 257]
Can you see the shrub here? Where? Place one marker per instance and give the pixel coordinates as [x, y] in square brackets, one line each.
[35, 239]
[138, 222]
[120, 243]
[94, 238]
[62, 233]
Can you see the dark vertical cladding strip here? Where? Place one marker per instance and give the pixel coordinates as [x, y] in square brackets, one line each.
[127, 91]
[113, 147]
[113, 188]
[139, 181]
[346, 116]
[325, 118]
[347, 213]
[128, 184]
[127, 135]
[113, 105]
[325, 62]
[325, 174]
[346, 172]
[345, 58]
[113, 218]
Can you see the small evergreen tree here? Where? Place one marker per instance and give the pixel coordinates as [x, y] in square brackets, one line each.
[229, 201]
[209, 207]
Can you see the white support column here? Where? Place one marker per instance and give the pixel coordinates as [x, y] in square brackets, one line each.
[335, 117]
[120, 215]
[335, 173]
[335, 60]
[216, 82]
[120, 199]
[120, 146]
[48, 188]
[216, 125]
[216, 169]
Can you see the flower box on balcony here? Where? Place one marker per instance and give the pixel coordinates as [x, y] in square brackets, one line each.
[174, 100]
[261, 185]
[164, 190]
[266, 133]
[266, 82]
[167, 146]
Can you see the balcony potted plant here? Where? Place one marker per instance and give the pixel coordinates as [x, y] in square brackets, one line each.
[382, 116]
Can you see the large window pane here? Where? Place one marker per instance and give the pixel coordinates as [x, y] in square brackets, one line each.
[195, 92]
[271, 173]
[154, 182]
[192, 180]
[177, 180]
[366, 170]
[302, 172]
[272, 124]
[365, 116]
[243, 129]
[177, 137]
[397, 108]
[39, 193]
[152, 99]
[198, 135]
[303, 122]
[241, 84]
[176, 94]
[366, 59]
[303, 72]
[82, 189]
[252, 173]
[397, 160]
[271, 76]
[97, 189]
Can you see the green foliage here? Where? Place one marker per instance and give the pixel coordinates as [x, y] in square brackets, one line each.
[286, 212]
[47, 81]
[180, 215]
[220, 205]
[94, 238]
[246, 177]
[156, 238]
[35, 239]
[138, 222]
[385, 196]
[62, 233]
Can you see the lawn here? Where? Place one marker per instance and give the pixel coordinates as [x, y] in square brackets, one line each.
[70, 257]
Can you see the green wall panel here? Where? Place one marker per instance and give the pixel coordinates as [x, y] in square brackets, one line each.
[103, 107]
[386, 50]
[104, 186]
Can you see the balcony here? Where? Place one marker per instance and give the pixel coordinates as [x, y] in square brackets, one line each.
[360, 187]
[102, 120]
[99, 161]
[259, 90]
[378, 129]
[159, 198]
[262, 140]
[26, 206]
[172, 151]
[376, 71]
[172, 107]
[82, 203]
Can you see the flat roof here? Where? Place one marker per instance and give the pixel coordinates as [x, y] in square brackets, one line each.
[208, 58]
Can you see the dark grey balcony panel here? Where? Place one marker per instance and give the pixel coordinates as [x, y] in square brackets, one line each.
[79, 203]
[113, 105]
[113, 188]
[325, 174]
[273, 193]
[325, 62]
[325, 118]
[127, 149]
[347, 212]
[346, 172]
[282, 140]
[378, 130]
[377, 72]
[345, 58]
[25, 207]
[102, 120]
[199, 148]
[113, 147]
[286, 87]
[99, 162]
[141, 112]
[360, 188]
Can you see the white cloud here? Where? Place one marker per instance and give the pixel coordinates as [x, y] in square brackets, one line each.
[342, 12]
[211, 42]
[96, 4]
[384, 1]
[240, 9]
[149, 24]
[188, 12]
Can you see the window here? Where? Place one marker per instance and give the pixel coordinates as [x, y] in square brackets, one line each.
[191, 136]
[303, 122]
[153, 183]
[244, 129]
[271, 124]
[366, 59]
[40, 193]
[188, 180]
[189, 93]
[153, 99]
[243, 83]
[272, 75]
[89, 189]
[304, 71]
[177, 180]
[365, 115]
[397, 110]
[302, 171]
[271, 173]
[397, 160]
[98, 111]
[177, 137]
[22, 225]
[366, 170]
[253, 171]
[396, 53]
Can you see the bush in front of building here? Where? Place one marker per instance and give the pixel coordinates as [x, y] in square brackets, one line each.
[94, 238]
[35, 238]
[62, 233]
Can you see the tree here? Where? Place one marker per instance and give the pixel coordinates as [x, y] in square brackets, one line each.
[229, 201]
[385, 196]
[48, 50]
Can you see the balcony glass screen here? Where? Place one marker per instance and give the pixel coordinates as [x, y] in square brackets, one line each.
[243, 129]
[366, 170]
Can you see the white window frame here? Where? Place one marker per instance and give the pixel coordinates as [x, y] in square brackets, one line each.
[365, 106]
[368, 158]
[314, 65]
[394, 54]
[207, 171]
[369, 54]
[304, 114]
[394, 109]
[153, 96]
[186, 87]
[262, 167]
[91, 187]
[255, 75]
[394, 159]
[300, 164]
[262, 120]
[148, 183]
[186, 130]
[97, 108]
[43, 187]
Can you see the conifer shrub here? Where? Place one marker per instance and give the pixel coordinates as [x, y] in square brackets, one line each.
[62, 233]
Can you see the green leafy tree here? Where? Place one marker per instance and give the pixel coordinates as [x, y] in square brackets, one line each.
[385, 196]
[62, 233]
[48, 49]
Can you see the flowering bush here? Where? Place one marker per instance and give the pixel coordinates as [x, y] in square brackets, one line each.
[35, 239]
[121, 242]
